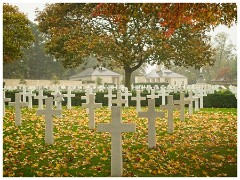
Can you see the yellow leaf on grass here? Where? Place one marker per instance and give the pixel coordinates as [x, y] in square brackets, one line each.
[204, 173]
[216, 156]
[39, 173]
[154, 172]
[66, 174]
[197, 166]
[35, 165]
[104, 158]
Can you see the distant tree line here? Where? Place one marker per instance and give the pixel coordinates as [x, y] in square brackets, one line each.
[224, 68]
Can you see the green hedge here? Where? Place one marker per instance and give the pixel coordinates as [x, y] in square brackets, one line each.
[220, 101]
[217, 100]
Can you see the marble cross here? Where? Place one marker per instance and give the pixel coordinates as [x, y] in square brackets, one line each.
[175, 89]
[153, 95]
[138, 100]
[191, 98]
[56, 90]
[149, 88]
[86, 97]
[49, 112]
[91, 105]
[170, 108]
[182, 103]
[126, 94]
[200, 94]
[18, 104]
[163, 93]
[58, 99]
[203, 93]
[119, 101]
[30, 95]
[69, 95]
[40, 98]
[24, 93]
[109, 95]
[116, 127]
[4, 101]
[151, 114]
[169, 89]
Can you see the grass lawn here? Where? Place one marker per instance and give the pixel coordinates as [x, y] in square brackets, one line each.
[203, 145]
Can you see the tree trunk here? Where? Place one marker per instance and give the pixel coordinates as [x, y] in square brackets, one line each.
[128, 74]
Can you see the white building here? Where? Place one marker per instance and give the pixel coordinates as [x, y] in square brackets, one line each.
[104, 74]
[160, 74]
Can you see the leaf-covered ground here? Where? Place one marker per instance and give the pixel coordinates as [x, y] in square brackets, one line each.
[204, 145]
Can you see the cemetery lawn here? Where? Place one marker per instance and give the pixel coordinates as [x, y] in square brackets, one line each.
[205, 144]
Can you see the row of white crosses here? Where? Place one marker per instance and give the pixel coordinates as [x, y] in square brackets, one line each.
[138, 98]
[209, 88]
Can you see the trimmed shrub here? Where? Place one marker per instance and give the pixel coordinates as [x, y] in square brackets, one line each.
[220, 101]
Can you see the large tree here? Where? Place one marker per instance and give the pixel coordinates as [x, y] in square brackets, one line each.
[128, 35]
[34, 63]
[17, 34]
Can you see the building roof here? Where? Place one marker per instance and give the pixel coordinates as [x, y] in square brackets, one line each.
[95, 72]
[164, 73]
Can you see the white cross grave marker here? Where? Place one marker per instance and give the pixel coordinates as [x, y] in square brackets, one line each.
[91, 105]
[58, 99]
[119, 101]
[18, 104]
[4, 101]
[151, 114]
[163, 93]
[148, 88]
[126, 94]
[109, 96]
[138, 100]
[49, 112]
[182, 103]
[200, 95]
[191, 98]
[69, 95]
[86, 97]
[24, 93]
[40, 98]
[56, 90]
[196, 103]
[170, 108]
[175, 88]
[116, 127]
[152, 95]
[30, 95]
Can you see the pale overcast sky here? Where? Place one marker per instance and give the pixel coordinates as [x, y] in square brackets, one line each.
[30, 8]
